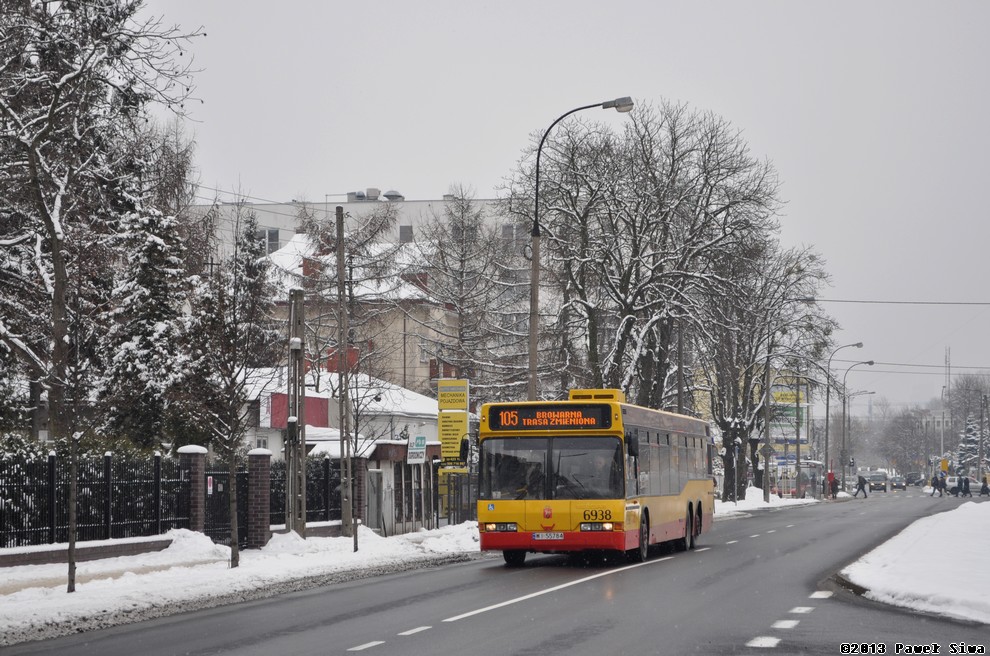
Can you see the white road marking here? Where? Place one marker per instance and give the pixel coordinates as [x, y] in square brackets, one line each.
[554, 589]
[700, 549]
[416, 630]
[732, 541]
[773, 530]
[366, 645]
[821, 594]
[755, 536]
[789, 526]
[802, 609]
[785, 624]
[763, 641]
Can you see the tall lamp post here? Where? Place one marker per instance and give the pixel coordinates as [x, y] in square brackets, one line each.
[622, 105]
[845, 398]
[828, 389]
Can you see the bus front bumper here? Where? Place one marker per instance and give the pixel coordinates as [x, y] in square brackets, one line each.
[559, 541]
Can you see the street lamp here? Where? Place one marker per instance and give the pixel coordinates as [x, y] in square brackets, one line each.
[621, 105]
[845, 398]
[828, 389]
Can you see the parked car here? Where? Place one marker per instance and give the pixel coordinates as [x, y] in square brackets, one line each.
[878, 481]
[898, 483]
[914, 478]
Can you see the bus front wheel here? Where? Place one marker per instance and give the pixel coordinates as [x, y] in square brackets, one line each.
[682, 544]
[514, 557]
[642, 551]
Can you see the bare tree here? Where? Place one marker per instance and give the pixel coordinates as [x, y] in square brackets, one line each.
[636, 222]
[468, 271]
[234, 340]
[756, 323]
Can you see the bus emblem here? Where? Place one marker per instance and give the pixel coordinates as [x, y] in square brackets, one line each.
[547, 512]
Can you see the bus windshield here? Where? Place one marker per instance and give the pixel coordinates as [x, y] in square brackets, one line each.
[584, 467]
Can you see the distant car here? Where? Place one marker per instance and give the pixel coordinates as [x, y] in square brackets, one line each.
[952, 484]
[878, 481]
[898, 483]
[914, 478]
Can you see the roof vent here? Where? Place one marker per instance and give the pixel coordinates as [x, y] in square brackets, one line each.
[373, 193]
[392, 194]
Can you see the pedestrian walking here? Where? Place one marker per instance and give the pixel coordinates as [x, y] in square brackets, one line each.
[964, 487]
[936, 486]
[834, 486]
[984, 489]
[942, 484]
[860, 486]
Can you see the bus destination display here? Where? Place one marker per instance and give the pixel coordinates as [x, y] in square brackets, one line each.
[549, 417]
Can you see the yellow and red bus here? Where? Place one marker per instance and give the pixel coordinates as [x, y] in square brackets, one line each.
[591, 473]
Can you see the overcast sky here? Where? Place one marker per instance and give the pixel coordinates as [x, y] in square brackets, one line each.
[873, 113]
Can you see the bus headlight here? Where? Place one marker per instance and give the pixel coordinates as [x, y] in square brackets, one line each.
[597, 526]
[501, 527]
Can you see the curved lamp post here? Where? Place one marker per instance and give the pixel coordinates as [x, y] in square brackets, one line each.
[845, 398]
[622, 105]
[828, 389]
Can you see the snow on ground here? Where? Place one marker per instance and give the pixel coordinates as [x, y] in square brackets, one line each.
[191, 572]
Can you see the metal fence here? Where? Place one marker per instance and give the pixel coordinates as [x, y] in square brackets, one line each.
[322, 490]
[462, 495]
[216, 515]
[115, 498]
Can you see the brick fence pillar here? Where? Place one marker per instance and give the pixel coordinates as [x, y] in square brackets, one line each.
[192, 461]
[259, 498]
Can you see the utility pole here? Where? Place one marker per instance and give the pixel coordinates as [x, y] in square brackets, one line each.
[979, 457]
[346, 471]
[767, 449]
[295, 447]
[797, 435]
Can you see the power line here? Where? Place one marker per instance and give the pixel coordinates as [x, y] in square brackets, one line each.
[876, 302]
[919, 366]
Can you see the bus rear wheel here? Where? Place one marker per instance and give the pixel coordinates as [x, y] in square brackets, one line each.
[514, 557]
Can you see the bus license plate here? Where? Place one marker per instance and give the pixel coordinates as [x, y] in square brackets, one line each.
[548, 536]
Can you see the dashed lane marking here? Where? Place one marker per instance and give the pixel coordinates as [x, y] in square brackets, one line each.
[732, 541]
[802, 609]
[821, 594]
[785, 624]
[763, 641]
[367, 645]
[416, 630]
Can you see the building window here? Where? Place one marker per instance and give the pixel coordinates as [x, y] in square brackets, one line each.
[253, 418]
[405, 234]
[458, 233]
[269, 239]
[261, 443]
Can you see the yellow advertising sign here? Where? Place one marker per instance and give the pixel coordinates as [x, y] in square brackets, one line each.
[787, 397]
[452, 395]
[453, 428]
